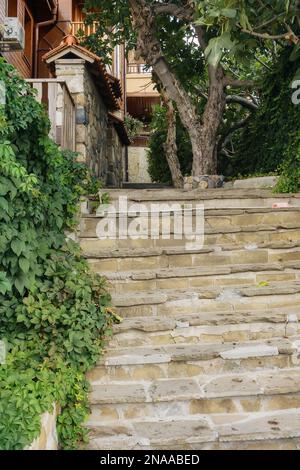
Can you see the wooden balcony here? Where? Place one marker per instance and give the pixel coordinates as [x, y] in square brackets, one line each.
[56, 97]
[81, 30]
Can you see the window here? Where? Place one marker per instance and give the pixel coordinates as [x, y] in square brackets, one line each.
[117, 70]
[28, 27]
[12, 8]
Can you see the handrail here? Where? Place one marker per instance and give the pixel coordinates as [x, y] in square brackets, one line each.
[61, 112]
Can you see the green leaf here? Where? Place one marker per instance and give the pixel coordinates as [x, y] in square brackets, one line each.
[5, 284]
[20, 284]
[24, 265]
[244, 20]
[4, 204]
[295, 53]
[216, 46]
[297, 75]
[17, 246]
[229, 12]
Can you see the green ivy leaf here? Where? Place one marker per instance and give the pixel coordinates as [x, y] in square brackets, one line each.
[17, 246]
[5, 284]
[24, 265]
[4, 204]
[20, 284]
[229, 12]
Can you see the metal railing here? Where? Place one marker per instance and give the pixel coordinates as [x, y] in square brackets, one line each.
[61, 108]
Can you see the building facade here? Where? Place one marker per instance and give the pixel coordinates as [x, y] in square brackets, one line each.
[141, 97]
[86, 101]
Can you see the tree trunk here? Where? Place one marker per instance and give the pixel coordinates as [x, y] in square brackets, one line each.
[171, 144]
[203, 135]
[212, 118]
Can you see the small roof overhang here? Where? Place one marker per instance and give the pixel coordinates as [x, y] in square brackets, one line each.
[109, 86]
[120, 128]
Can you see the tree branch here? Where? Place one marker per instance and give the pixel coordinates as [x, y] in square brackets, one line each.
[229, 81]
[268, 22]
[182, 13]
[242, 101]
[289, 36]
[233, 128]
[200, 31]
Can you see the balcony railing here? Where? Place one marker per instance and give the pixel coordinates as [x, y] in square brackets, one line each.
[80, 29]
[56, 97]
[133, 68]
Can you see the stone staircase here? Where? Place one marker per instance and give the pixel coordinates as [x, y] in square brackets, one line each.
[208, 354]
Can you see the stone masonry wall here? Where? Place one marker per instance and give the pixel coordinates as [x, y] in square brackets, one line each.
[47, 439]
[95, 141]
[116, 157]
[138, 165]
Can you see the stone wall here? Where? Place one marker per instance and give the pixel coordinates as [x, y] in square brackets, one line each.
[47, 439]
[138, 165]
[96, 141]
[116, 157]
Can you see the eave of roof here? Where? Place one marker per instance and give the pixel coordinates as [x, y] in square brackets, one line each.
[110, 86]
[120, 128]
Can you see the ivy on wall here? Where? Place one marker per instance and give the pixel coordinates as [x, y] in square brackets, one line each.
[54, 314]
[270, 142]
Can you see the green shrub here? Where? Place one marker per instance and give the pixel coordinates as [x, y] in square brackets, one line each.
[289, 181]
[267, 143]
[54, 313]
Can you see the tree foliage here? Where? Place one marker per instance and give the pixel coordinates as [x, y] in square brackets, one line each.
[270, 141]
[223, 35]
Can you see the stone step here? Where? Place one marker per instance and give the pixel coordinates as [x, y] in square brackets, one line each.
[116, 443]
[238, 214]
[127, 253]
[93, 226]
[163, 354]
[191, 368]
[200, 430]
[206, 334]
[244, 236]
[234, 281]
[212, 198]
[285, 398]
[199, 259]
[211, 319]
[198, 388]
[193, 278]
[194, 406]
[204, 301]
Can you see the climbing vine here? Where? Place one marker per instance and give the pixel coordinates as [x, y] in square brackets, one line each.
[54, 314]
[270, 141]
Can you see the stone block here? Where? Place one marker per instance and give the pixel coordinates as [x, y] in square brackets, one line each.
[250, 351]
[256, 183]
[118, 393]
[227, 386]
[206, 406]
[166, 390]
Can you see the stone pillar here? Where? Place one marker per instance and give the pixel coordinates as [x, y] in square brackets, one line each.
[97, 140]
[73, 72]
